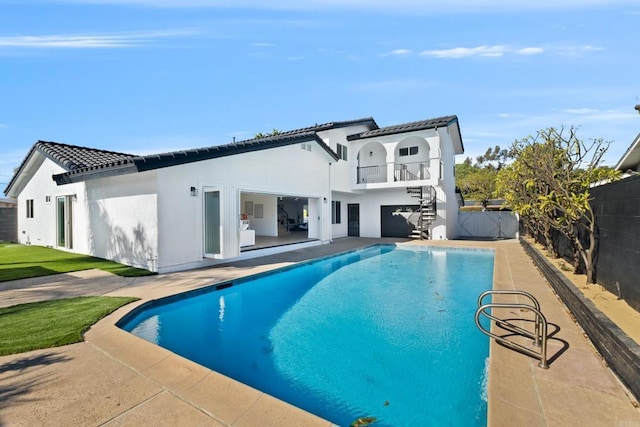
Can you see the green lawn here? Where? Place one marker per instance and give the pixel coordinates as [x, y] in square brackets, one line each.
[52, 323]
[23, 261]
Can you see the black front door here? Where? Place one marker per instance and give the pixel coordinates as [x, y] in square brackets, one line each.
[353, 220]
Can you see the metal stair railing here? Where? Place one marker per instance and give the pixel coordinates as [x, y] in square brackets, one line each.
[426, 212]
[286, 217]
[539, 336]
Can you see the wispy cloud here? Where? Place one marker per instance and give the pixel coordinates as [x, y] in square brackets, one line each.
[398, 6]
[400, 52]
[576, 50]
[498, 51]
[482, 51]
[88, 41]
[592, 114]
[263, 45]
[465, 52]
[571, 116]
[530, 51]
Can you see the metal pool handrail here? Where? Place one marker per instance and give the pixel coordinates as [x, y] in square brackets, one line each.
[539, 336]
[535, 302]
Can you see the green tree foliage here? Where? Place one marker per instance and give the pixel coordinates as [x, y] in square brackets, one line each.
[518, 185]
[548, 185]
[477, 181]
[274, 132]
[494, 158]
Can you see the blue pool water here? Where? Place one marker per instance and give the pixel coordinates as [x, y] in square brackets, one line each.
[386, 332]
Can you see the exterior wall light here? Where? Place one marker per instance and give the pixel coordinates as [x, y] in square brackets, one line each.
[194, 191]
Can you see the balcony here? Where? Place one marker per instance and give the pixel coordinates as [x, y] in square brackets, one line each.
[372, 174]
[393, 172]
[411, 171]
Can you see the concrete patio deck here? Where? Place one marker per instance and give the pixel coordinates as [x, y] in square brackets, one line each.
[115, 378]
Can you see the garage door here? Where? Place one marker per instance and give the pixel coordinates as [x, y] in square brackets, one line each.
[398, 220]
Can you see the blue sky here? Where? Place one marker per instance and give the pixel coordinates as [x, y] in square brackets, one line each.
[144, 76]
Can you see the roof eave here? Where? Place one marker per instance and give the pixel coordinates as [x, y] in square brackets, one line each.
[24, 170]
[631, 157]
[393, 131]
[157, 161]
[457, 137]
[364, 121]
[93, 173]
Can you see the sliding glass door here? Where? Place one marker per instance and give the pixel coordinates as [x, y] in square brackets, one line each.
[64, 222]
[211, 223]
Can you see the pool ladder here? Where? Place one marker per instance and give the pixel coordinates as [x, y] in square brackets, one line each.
[539, 336]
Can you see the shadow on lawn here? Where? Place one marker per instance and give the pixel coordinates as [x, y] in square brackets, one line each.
[25, 272]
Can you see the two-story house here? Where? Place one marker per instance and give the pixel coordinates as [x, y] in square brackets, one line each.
[197, 207]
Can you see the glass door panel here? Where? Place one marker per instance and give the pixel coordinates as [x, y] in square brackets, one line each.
[212, 222]
[61, 221]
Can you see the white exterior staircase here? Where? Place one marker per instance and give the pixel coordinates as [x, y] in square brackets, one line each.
[427, 212]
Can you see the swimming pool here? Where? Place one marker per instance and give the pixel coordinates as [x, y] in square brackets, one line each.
[386, 332]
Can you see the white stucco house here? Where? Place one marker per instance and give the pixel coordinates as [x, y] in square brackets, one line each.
[186, 209]
[629, 163]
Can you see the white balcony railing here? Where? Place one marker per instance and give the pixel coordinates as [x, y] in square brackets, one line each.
[371, 174]
[411, 171]
[401, 172]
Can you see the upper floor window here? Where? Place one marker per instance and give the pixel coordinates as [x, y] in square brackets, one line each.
[408, 151]
[342, 151]
[29, 208]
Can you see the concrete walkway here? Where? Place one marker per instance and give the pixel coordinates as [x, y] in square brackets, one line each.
[115, 378]
[77, 283]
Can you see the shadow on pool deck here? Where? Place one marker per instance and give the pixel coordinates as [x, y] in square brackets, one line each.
[115, 378]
